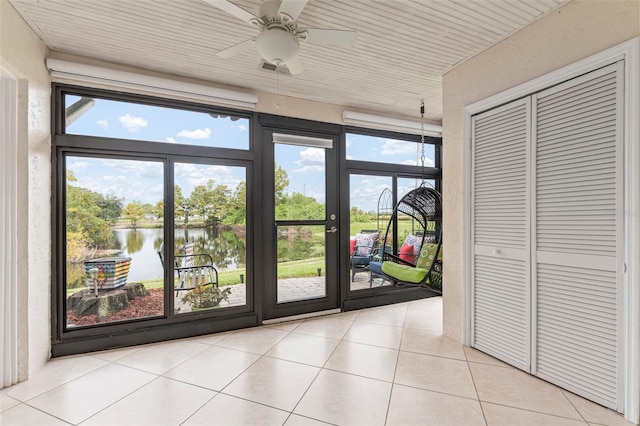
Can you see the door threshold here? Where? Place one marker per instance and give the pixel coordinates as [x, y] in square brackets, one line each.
[301, 316]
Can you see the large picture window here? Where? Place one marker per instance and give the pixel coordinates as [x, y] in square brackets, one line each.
[380, 149]
[148, 235]
[114, 228]
[94, 116]
[382, 170]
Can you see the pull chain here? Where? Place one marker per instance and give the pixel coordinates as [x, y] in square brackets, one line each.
[422, 158]
[277, 90]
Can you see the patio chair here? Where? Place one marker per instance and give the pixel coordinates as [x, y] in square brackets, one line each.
[366, 244]
[424, 206]
[192, 269]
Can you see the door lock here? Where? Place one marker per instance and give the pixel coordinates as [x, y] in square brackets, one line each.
[332, 230]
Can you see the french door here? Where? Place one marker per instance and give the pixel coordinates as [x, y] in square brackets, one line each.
[300, 223]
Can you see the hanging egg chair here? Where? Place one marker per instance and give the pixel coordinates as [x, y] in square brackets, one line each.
[419, 261]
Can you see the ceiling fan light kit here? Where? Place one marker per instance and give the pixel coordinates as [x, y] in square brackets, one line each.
[277, 47]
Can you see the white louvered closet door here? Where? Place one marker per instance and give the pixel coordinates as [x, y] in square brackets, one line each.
[501, 299]
[578, 205]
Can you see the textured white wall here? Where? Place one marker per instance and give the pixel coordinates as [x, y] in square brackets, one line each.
[22, 53]
[578, 30]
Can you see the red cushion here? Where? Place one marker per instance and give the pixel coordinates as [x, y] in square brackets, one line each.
[406, 253]
[352, 245]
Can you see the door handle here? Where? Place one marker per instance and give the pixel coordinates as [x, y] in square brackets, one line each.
[332, 230]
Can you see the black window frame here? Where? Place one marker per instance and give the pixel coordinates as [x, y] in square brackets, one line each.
[169, 326]
[378, 296]
[85, 339]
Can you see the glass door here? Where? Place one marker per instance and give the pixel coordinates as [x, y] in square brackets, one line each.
[303, 228]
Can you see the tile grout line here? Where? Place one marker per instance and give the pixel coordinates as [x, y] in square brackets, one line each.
[40, 410]
[473, 380]
[250, 365]
[395, 370]
[320, 371]
[120, 399]
[260, 356]
[538, 412]
[289, 332]
[61, 384]
[207, 346]
[573, 405]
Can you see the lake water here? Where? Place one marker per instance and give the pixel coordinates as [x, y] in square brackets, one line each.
[227, 248]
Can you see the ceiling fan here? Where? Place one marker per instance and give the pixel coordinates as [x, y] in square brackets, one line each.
[279, 40]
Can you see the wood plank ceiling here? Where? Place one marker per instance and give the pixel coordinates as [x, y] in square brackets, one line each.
[403, 46]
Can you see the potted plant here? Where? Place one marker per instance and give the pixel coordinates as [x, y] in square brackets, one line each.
[206, 296]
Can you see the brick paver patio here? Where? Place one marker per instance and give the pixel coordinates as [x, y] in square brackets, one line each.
[289, 289]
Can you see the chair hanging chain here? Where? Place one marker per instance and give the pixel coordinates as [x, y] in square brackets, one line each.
[422, 138]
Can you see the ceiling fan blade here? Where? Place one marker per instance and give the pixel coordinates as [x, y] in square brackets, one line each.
[342, 38]
[295, 65]
[292, 8]
[232, 9]
[237, 48]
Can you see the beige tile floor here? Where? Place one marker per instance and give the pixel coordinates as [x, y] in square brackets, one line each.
[388, 365]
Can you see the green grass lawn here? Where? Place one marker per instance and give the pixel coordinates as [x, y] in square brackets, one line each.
[404, 227]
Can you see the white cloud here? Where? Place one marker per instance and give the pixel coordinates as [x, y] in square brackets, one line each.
[311, 160]
[392, 146]
[170, 139]
[428, 162]
[241, 127]
[128, 179]
[189, 176]
[77, 166]
[119, 178]
[132, 123]
[349, 142]
[103, 123]
[196, 134]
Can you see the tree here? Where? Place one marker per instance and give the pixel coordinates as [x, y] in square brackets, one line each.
[133, 212]
[237, 206]
[84, 223]
[220, 197]
[211, 201]
[158, 210]
[300, 207]
[148, 208]
[200, 198]
[281, 182]
[181, 205]
[110, 207]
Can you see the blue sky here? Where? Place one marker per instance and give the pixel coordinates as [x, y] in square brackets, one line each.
[143, 180]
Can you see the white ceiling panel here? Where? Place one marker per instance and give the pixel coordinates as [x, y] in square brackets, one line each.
[402, 50]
